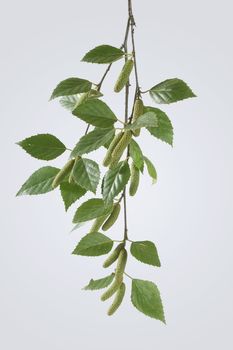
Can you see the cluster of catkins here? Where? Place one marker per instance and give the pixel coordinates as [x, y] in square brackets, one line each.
[114, 153]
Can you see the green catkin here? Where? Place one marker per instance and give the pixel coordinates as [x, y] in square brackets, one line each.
[134, 180]
[121, 262]
[120, 147]
[137, 111]
[124, 75]
[117, 300]
[112, 217]
[63, 173]
[111, 147]
[98, 223]
[112, 289]
[71, 177]
[114, 255]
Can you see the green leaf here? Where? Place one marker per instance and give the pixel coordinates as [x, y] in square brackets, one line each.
[100, 283]
[148, 119]
[86, 174]
[171, 90]
[135, 153]
[43, 146]
[39, 182]
[71, 102]
[71, 86]
[94, 94]
[92, 141]
[151, 170]
[93, 244]
[95, 112]
[78, 225]
[115, 180]
[91, 209]
[103, 54]
[146, 252]
[71, 193]
[164, 131]
[146, 298]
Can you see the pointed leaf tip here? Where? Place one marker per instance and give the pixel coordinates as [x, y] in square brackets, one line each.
[146, 298]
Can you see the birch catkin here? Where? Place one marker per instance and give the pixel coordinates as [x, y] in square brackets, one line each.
[71, 177]
[111, 290]
[134, 180]
[122, 259]
[120, 148]
[98, 223]
[111, 147]
[137, 111]
[114, 255]
[117, 300]
[124, 76]
[63, 172]
[112, 217]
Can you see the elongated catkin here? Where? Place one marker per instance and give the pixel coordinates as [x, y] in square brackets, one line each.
[98, 223]
[121, 262]
[114, 255]
[124, 75]
[71, 177]
[137, 111]
[108, 156]
[117, 300]
[120, 148]
[112, 289]
[112, 217]
[134, 180]
[62, 173]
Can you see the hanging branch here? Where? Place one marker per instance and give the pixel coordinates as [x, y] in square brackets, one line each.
[81, 175]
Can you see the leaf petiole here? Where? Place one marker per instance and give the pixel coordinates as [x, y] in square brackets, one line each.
[128, 276]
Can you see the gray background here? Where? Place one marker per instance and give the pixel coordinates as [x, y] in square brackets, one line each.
[188, 214]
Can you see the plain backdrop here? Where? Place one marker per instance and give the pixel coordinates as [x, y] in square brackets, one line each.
[188, 213]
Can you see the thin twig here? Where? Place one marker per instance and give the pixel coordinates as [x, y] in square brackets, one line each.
[99, 85]
[87, 128]
[132, 25]
[128, 275]
[103, 77]
[125, 47]
[126, 35]
[121, 47]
